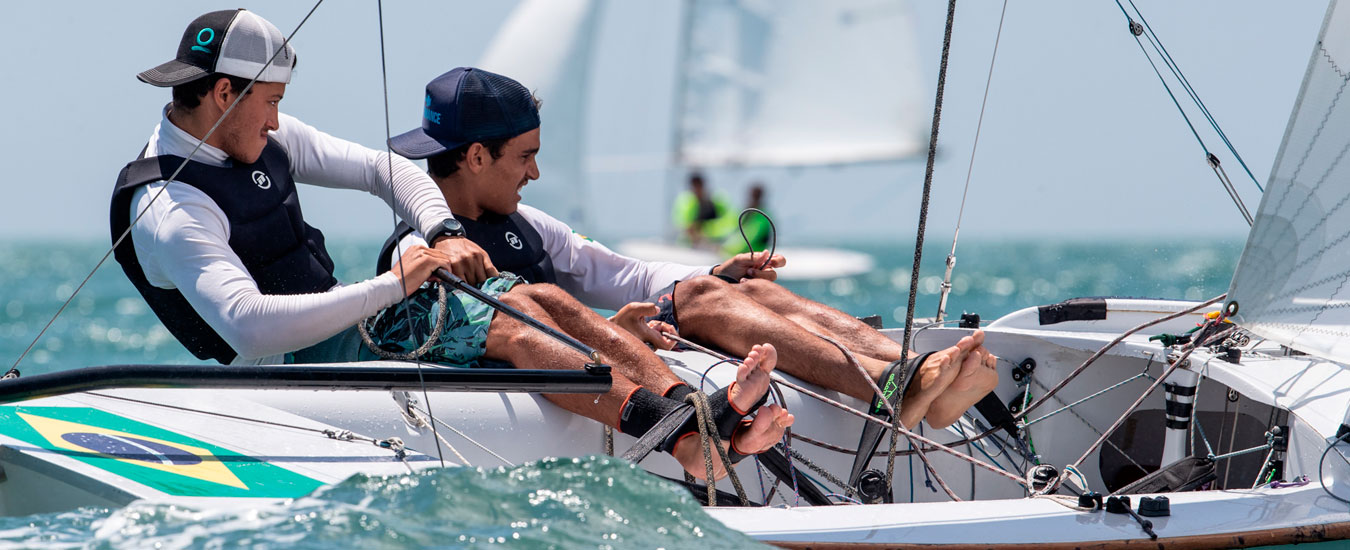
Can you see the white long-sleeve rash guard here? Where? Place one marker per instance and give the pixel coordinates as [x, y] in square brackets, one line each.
[182, 241]
[594, 274]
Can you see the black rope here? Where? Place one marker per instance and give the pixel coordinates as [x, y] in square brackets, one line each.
[928, 180]
[923, 221]
[1321, 479]
[773, 235]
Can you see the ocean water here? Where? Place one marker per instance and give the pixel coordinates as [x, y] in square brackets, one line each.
[595, 502]
[568, 504]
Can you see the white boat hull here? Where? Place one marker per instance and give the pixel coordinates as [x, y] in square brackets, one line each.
[517, 428]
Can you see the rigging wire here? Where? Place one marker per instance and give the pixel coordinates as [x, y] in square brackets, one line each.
[951, 256]
[155, 197]
[1179, 362]
[1060, 385]
[402, 276]
[928, 443]
[1137, 30]
[1195, 96]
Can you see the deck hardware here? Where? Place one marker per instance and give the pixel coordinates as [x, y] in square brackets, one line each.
[1169, 340]
[1091, 500]
[872, 487]
[1015, 404]
[1040, 476]
[1173, 357]
[873, 321]
[1121, 505]
[970, 320]
[1023, 369]
[1155, 507]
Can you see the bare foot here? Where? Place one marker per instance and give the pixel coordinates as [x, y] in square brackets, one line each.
[933, 376]
[977, 378]
[765, 431]
[689, 452]
[752, 377]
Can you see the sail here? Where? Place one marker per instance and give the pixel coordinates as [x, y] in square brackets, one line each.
[546, 46]
[761, 84]
[1292, 284]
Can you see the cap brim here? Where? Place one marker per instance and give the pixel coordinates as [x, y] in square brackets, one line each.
[416, 144]
[172, 73]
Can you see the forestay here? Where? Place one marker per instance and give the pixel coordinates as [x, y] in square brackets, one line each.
[761, 88]
[1292, 284]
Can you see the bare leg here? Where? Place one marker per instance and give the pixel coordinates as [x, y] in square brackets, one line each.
[710, 311]
[716, 312]
[623, 351]
[525, 347]
[817, 317]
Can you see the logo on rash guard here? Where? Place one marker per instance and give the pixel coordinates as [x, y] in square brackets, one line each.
[514, 241]
[262, 180]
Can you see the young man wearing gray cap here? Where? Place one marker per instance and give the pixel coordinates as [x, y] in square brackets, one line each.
[482, 130]
[734, 305]
[218, 245]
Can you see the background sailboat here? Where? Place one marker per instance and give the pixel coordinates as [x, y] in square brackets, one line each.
[751, 100]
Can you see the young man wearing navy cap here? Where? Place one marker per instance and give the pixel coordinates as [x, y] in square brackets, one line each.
[218, 245]
[481, 131]
[735, 305]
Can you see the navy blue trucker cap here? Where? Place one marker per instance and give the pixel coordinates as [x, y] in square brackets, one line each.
[468, 105]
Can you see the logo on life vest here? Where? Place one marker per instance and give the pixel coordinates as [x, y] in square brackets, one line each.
[262, 180]
[514, 241]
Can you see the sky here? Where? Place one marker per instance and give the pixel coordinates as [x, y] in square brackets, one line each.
[1079, 139]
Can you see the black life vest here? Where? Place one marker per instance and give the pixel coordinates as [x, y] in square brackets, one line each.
[510, 241]
[282, 253]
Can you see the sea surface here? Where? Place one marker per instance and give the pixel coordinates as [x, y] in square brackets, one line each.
[590, 503]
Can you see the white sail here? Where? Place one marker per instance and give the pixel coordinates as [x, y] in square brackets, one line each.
[546, 46]
[1292, 284]
[762, 88]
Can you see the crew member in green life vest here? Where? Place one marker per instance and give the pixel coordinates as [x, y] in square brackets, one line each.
[756, 227]
[702, 216]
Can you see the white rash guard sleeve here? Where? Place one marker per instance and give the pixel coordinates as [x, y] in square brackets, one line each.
[320, 159]
[182, 242]
[590, 271]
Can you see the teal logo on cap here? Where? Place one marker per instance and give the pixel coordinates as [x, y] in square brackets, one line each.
[204, 38]
[429, 114]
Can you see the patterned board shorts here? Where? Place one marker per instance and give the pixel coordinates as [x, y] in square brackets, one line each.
[464, 338]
